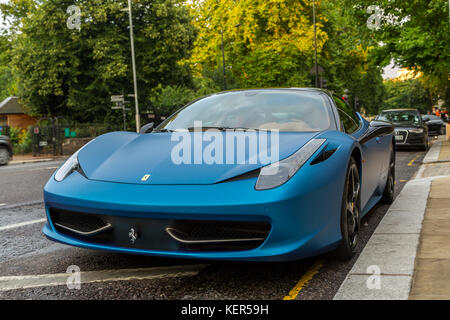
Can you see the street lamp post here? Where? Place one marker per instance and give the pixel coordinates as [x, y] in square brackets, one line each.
[223, 62]
[315, 45]
[133, 60]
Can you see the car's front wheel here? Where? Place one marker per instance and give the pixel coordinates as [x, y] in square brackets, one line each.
[350, 213]
[389, 189]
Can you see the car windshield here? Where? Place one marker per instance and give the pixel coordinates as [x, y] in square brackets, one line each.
[282, 110]
[431, 117]
[400, 117]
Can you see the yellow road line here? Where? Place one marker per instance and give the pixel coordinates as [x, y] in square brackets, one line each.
[412, 161]
[304, 280]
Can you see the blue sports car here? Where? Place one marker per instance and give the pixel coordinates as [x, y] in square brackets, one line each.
[256, 175]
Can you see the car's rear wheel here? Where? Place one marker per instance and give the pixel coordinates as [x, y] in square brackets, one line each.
[4, 156]
[389, 189]
[350, 213]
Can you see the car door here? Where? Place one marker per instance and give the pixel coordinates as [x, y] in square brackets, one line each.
[372, 152]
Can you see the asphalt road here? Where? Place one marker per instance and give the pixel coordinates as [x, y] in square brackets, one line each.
[26, 252]
[24, 182]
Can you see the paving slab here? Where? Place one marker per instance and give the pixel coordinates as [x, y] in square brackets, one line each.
[439, 204]
[431, 279]
[434, 246]
[394, 254]
[433, 226]
[401, 221]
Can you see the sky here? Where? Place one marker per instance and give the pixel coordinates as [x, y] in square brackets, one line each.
[390, 71]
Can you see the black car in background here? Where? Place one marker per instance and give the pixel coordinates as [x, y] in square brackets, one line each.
[5, 150]
[434, 123]
[410, 129]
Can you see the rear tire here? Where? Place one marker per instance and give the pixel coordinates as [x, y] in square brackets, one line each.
[4, 156]
[350, 217]
[389, 189]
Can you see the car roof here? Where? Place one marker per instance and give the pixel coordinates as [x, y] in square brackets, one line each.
[405, 109]
[319, 90]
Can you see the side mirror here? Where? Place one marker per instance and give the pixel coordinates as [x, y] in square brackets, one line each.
[147, 128]
[376, 128]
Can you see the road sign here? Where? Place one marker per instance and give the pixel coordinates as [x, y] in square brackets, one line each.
[117, 98]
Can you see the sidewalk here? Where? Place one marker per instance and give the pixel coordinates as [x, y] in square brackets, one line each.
[431, 278]
[408, 256]
[22, 159]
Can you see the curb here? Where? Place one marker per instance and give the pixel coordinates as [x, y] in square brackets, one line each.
[432, 155]
[385, 268]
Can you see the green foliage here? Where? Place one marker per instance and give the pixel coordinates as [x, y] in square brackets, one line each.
[21, 140]
[415, 34]
[166, 100]
[407, 94]
[73, 73]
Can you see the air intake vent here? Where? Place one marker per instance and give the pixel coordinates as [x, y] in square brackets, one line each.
[79, 223]
[204, 232]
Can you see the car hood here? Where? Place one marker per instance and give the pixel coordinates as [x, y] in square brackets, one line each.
[126, 157]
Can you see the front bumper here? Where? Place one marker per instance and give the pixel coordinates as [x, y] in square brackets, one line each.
[304, 221]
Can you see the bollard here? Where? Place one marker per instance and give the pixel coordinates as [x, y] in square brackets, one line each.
[448, 131]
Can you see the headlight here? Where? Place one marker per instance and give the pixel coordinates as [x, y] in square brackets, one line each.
[274, 175]
[416, 130]
[70, 165]
[67, 168]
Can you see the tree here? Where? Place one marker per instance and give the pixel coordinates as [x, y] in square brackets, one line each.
[414, 34]
[6, 78]
[407, 94]
[267, 42]
[271, 44]
[166, 100]
[73, 73]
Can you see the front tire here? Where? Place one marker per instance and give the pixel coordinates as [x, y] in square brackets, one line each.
[350, 217]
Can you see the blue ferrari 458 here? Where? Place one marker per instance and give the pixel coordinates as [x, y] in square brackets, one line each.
[254, 175]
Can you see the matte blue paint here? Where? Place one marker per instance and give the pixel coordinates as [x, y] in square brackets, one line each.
[304, 212]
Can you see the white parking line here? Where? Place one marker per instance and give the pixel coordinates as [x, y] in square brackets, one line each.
[60, 279]
[21, 224]
[2, 204]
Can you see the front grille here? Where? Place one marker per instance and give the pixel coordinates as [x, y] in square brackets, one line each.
[403, 134]
[152, 233]
[218, 233]
[75, 222]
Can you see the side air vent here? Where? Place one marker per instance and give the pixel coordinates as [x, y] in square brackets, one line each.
[325, 155]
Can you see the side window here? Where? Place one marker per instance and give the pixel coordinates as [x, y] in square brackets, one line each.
[348, 117]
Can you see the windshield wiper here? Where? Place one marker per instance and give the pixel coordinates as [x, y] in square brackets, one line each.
[164, 130]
